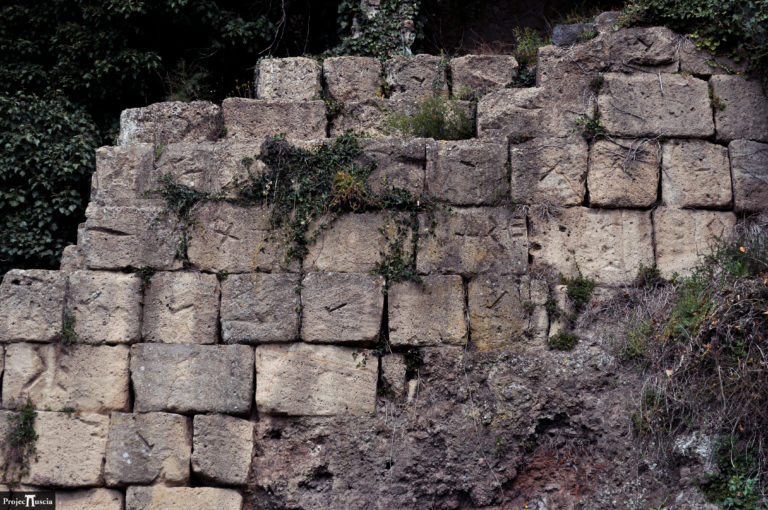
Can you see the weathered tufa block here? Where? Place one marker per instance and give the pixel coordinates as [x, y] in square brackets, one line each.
[506, 310]
[415, 77]
[123, 174]
[352, 244]
[159, 497]
[401, 162]
[428, 314]
[181, 308]
[31, 305]
[695, 173]
[341, 307]
[106, 307]
[222, 450]
[474, 240]
[368, 116]
[118, 237]
[82, 377]
[479, 74]
[624, 173]
[467, 172]
[90, 499]
[260, 307]
[70, 450]
[306, 380]
[249, 119]
[393, 373]
[236, 239]
[652, 105]
[289, 79]
[605, 245]
[549, 170]
[702, 62]
[192, 378]
[683, 236]
[352, 78]
[749, 166]
[148, 448]
[745, 109]
[164, 123]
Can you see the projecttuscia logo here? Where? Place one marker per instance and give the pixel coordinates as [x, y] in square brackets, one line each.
[39, 500]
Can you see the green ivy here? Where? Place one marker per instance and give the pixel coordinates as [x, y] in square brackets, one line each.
[380, 35]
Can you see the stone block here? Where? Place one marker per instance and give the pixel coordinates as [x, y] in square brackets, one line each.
[683, 236]
[260, 307]
[187, 378]
[70, 450]
[480, 74]
[71, 259]
[90, 499]
[106, 307]
[159, 497]
[352, 244]
[31, 305]
[342, 307]
[549, 170]
[415, 77]
[181, 308]
[745, 109]
[164, 123]
[368, 116]
[237, 239]
[467, 172]
[653, 105]
[148, 448]
[82, 377]
[651, 49]
[703, 63]
[606, 245]
[695, 173]
[249, 119]
[393, 373]
[749, 167]
[505, 310]
[624, 173]
[473, 241]
[352, 78]
[119, 237]
[305, 380]
[289, 79]
[123, 174]
[401, 163]
[222, 450]
[428, 314]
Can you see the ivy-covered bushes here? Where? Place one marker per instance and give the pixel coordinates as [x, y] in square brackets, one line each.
[46, 159]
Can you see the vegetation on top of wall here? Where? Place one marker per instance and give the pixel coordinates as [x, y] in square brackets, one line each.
[737, 28]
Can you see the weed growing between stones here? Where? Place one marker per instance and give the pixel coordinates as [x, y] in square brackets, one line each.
[67, 336]
[579, 289]
[563, 341]
[649, 277]
[436, 117]
[714, 99]
[20, 441]
[527, 46]
[145, 274]
[591, 128]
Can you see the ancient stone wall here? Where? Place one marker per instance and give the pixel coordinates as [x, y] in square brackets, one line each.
[176, 393]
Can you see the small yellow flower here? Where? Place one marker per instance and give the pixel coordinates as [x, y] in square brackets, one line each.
[742, 249]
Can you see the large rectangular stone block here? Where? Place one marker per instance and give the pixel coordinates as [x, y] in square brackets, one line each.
[549, 170]
[222, 450]
[289, 79]
[480, 74]
[745, 109]
[624, 173]
[148, 448]
[82, 377]
[467, 172]
[249, 119]
[606, 245]
[123, 174]
[164, 123]
[472, 241]
[428, 314]
[401, 163]
[31, 305]
[260, 307]
[236, 239]
[90, 499]
[367, 116]
[192, 378]
[415, 77]
[749, 167]
[341, 307]
[695, 173]
[306, 380]
[106, 307]
[683, 236]
[70, 450]
[159, 497]
[181, 307]
[351, 78]
[352, 244]
[650, 105]
[118, 237]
